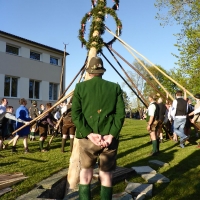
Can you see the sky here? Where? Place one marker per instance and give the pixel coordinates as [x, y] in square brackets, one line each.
[57, 22]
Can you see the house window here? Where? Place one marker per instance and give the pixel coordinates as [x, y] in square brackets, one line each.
[12, 50]
[34, 55]
[10, 86]
[53, 91]
[34, 89]
[53, 61]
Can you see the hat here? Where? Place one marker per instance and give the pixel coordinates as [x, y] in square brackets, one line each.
[34, 102]
[95, 66]
[197, 96]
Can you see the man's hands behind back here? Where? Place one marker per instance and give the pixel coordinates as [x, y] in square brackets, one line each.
[99, 140]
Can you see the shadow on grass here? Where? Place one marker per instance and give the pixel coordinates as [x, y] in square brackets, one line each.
[184, 175]
[10, 163]
[120, 155]
[55, 146]
[184, 178]
[133, 137]
[32, 159]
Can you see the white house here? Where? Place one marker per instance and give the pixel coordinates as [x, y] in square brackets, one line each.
[29, 70]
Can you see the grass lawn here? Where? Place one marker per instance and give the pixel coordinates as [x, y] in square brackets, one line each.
[183, 170]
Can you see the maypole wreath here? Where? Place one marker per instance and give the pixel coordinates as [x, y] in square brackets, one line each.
[99, 11]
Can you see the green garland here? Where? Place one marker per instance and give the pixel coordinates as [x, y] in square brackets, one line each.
[98, 12]
[115, 7]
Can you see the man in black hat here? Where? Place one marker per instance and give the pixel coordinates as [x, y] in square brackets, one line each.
[98, 113]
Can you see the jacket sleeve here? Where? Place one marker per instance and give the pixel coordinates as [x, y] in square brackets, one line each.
[78, 118]
[12, 117]
[119, 114]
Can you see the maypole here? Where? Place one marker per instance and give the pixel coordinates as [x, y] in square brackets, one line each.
[94, 45]
[97, 28]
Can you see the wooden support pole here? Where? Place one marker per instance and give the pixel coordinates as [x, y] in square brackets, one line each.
[145, 78]
[45, 112]
[140, 97]
[149, 73]
[125, 44]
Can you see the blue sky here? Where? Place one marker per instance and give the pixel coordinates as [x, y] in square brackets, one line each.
[54, 22]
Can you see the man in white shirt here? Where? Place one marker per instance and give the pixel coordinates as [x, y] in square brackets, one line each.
[3, 105]
[152, 122]
[196, 118]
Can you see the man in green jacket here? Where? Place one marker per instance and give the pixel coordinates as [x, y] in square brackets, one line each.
[98, 113]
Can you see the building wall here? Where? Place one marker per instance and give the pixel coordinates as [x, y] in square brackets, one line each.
[25, 68]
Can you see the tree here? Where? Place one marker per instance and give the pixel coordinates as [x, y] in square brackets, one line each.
[167, 84]
[126, 100]
[137, 80]
[145, 82]
[185, 13]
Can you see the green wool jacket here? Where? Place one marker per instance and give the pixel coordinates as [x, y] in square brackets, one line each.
[98, 107]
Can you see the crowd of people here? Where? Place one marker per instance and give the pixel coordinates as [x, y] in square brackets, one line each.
[174, 117]
[98, 123]
[37, 123]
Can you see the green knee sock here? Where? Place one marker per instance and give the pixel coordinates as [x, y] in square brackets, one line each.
[41, 144]
[154, 144]
[106, 193]
[158, 145]
[84, 192]
[63, 144]
[71, 144]
[32, 133]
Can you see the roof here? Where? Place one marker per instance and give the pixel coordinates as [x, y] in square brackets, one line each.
[35, 43]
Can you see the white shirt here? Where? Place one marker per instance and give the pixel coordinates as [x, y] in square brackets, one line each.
[63, 109]
[2, 109]
[196, 111]
[57, 115]
[170, 117]
[151, 109]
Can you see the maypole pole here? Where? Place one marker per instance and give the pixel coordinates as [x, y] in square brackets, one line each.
[94, 45]
[97, 28]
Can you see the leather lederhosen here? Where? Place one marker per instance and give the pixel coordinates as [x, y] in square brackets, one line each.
[68, 126]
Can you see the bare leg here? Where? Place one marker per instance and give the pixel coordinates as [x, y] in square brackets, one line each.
[15, 140]
[84, 186]
[1, 143]
[106, 178]
[86, 176]
[25, 142]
